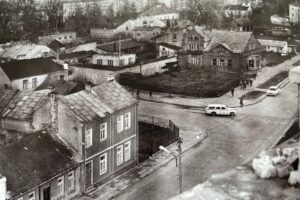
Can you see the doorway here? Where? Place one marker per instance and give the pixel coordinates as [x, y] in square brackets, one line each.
[46, 193]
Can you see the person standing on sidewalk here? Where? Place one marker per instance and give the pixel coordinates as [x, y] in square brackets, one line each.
[232, 91]
[241, 102]
[150, 94]
[138, 93]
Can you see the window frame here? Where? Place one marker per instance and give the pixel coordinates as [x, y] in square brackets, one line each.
[34, 80]
[61, 185]
[127, 155]
[103, 130]
[71, 181]
[120, 122]
[127, 121]
[120, 155]
[88, 133]
[25, 84]
[33, 196]
[103, 171]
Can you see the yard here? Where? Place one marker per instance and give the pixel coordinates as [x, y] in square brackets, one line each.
[198, 82]
[274, 80]
[274, 58]
[151, 137]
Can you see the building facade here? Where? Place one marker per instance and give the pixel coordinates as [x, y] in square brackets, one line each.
[294, 13]
[114, 59]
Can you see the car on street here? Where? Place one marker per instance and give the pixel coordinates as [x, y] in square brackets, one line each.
[219, 109]
[273, 91]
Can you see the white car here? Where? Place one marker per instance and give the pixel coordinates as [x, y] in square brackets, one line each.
[219, 109]
[273, 91]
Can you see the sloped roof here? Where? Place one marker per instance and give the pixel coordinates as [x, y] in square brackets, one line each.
[170, 46]
[272, 43]
[157, 10]
[146, 28]
[27, 51]
[24, 104]
[77, 54]
[101, 100]
[243, 21]
[114, 46]
[32, 161]
[5, 97]
[84, 47]
[234, 41]
[26, 68]
[114, 95]
[55, 45]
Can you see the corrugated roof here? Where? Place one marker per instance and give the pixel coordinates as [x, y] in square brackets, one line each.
[24, 104]
[234, 41]
[101, 100]
[32, 161]
[27, 51]
[26, 68]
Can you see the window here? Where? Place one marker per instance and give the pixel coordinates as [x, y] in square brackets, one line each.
[99, 61]
[61, 77]
[34, 82]
[25, 84]
[31, 196]
[127, 121]
[214, 61]
[221, 62]
[120, 124]
[60, 185]
[70, 36]
[103, 164]
[229, 63]
[103, 131]
[127, 151]
[130, 60]
[122, 62]
[174, 37]
[65, 37]
[21, 198]
[88, 137]
[110, 62]
[71, 181]
[120, 155]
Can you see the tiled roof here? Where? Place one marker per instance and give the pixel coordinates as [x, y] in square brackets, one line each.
[114, 46]
[27, 51]
[102, 99]
[25, 104]
[5, 97]
[234, 41]
[26, 68]
[32, 161]
[157, 10]
[86, 106]
[114, 95]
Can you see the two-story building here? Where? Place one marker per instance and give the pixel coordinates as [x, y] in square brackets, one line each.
[233, 51]
[100, 124]
[294, 13]
[161, 12]
[237, 11]
[145, 33]
[172, 36]
[114, 59]
[29, 74]
[242, 24]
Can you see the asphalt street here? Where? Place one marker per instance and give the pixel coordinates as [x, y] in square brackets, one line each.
[232, 141]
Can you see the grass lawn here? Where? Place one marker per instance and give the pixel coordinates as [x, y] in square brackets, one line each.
[198, 82]
[252, 95]
[274, 58]
[274, 80]
[151, 137]
[297, 63]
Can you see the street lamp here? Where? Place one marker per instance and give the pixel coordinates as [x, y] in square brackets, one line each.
[179, 142]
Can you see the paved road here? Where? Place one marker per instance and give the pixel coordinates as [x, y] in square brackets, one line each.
[231, 142]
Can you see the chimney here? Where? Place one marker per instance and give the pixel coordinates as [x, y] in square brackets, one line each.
[88, 87]
[2, 188]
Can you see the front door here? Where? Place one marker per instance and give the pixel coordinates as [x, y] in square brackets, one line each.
[46, 193]
[88, 174]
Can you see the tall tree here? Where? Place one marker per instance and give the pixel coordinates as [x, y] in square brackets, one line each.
[53, 11]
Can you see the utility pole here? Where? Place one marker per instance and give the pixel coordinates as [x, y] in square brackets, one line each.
[179, 142]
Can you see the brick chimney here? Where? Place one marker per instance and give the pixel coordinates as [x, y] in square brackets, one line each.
[2, 188]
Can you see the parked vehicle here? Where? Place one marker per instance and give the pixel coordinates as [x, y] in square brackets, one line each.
[273, 91]
[219, 109]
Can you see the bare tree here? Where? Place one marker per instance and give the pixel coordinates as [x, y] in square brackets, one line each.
[53, 12]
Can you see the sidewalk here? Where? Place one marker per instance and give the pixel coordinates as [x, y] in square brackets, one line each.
[128, 180]
[195, 102]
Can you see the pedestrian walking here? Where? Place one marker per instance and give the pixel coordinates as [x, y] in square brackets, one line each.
[244, 85]
[138, 93]
[150, 94]
[241, 102]
[232, 91]
[251, 82]
[241, 84]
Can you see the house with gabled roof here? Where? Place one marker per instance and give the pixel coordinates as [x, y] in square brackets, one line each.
[39, 167]
[27, 75]
[237, 11]
[234, 51]
[100, 124]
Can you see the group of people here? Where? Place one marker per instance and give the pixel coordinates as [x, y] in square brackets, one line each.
[138, 93]
[246, 83]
